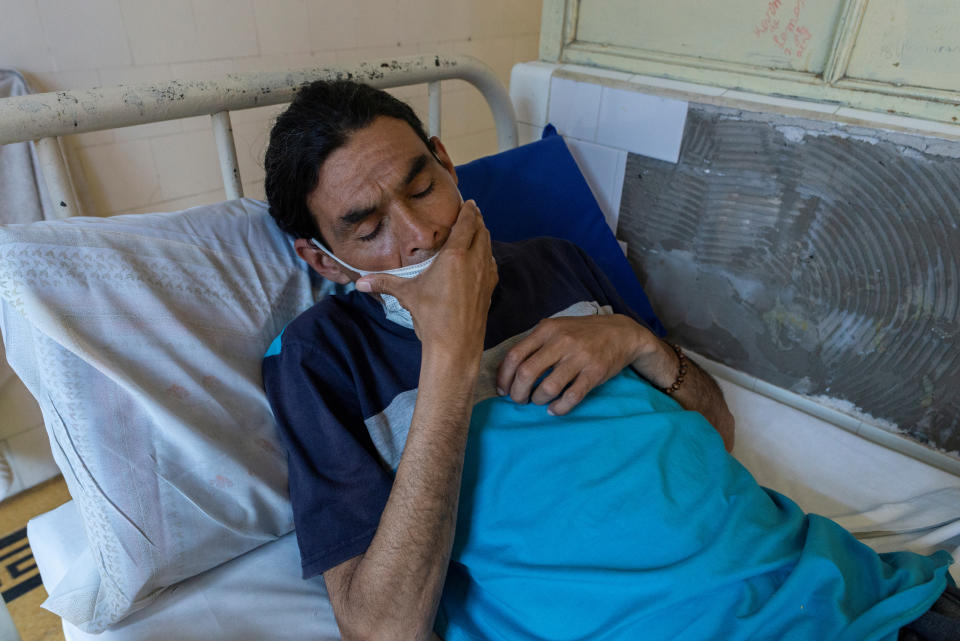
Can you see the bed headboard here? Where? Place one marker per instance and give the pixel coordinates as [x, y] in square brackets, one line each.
[47, 116]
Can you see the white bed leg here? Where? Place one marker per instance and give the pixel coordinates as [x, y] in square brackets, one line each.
[63, 195]
[433, 92]
[227, 151]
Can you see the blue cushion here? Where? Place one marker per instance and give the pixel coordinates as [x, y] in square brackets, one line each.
[538, 190]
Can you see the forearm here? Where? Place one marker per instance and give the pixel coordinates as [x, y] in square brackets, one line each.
[396, 585]
[699, 392]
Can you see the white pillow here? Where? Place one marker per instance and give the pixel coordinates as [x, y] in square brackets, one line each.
[141, 337]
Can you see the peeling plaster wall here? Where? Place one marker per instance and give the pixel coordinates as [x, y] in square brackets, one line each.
[822, 260]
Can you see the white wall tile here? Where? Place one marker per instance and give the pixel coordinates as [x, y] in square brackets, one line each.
[255, 114]
[454, 22]
[530, 91]
[429, 22]
[283, 26]
[186, 164]
[496, 52]
[603, 168]
[134, 75]
[443, 48]
[132, 41]
[333, 25]
[199, 123]
[254, 190]
[377, 23]
[91, 138]
[273, 62]
[62, 80]
[84, 35]
[464, 112]
[177, 204]
[225, 29]
[161, 32]
[647, 125]
[118, 177]
[574, 107]
[527, 48]
[150, 130]
[521, 17]
[463, 149]
[487, 18]
[528, 133]
[251, 139]
[23, 44]
[203, 70]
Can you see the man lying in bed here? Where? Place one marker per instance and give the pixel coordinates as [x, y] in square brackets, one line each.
[485, 451]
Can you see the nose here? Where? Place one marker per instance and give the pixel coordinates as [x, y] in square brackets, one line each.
[418, 236]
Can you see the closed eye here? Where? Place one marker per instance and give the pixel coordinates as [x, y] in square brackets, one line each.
[373, 234]
[424, 192]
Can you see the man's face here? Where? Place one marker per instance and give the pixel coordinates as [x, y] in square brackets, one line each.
[382, 201]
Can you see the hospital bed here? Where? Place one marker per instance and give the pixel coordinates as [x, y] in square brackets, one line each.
[141, 338]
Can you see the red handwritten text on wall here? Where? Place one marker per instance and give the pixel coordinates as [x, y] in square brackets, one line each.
[792, 38]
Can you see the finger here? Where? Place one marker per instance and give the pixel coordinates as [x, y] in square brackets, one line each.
[553, 385]
[381, 284]
[513, 358]
[465, 226]
[482, 238]
[572, 397]
[531, 369]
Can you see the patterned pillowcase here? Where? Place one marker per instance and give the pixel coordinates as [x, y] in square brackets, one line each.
[141, 337]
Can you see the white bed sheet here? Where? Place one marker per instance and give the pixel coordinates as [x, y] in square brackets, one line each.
[891, 500]
[257, 596]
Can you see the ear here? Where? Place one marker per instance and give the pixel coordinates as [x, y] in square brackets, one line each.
[441, 153]
[322, 263]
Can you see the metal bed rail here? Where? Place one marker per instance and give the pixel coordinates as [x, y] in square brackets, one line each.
[46, 117]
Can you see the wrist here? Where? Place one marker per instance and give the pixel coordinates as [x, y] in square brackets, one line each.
[658, 363]
[646, 345]
[451, 364]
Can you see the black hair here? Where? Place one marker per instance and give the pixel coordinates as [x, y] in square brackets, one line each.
[320, 119]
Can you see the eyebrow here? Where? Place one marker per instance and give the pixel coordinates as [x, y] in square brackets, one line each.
[355, 216]
[415, 168]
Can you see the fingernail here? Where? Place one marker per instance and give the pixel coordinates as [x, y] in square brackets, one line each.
[550, 412]
[363, 286]
[501, 392]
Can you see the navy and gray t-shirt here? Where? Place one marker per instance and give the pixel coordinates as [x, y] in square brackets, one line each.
[342, 381]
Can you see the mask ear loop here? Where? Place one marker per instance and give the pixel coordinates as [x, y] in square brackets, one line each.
[320, 247]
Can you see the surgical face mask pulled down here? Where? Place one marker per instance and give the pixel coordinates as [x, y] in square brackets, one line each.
[392, 307]
[394, 310]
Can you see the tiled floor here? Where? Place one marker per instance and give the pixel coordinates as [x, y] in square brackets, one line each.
[18, 572]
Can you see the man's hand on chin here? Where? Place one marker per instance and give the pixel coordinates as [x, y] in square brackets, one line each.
[449, 302]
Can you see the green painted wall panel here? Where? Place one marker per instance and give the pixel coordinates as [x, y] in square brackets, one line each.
[909, 42]
[785, 34]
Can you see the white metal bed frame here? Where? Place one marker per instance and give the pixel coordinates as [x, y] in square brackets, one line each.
[48, 116]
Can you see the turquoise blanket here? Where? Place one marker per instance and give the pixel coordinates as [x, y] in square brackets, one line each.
[627, 520]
